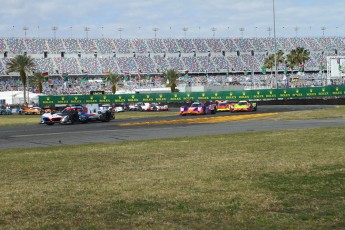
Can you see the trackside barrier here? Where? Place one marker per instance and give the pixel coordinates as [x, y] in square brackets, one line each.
[267, 94]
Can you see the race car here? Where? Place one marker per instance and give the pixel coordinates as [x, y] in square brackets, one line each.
[198, 108]
[161, 107]
[135, 107]
[30, 110]
[243, 106]
[77, 113]
[148, 107]
[224, 105]
[103, 108]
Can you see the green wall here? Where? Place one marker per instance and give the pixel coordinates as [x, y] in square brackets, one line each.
[310, 92]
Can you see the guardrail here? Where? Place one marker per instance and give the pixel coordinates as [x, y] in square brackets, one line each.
[266, 94]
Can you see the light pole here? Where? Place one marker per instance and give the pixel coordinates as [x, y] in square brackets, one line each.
[323, 30]
[102, 32]
[25, 28]
[275, 45]
[87, 29]
[71, 31]
[55, 28]
[120, 30]
[155, 30]
[269, 29]
[214, 29]
[242, 30]
[185, 29]
[296, 30]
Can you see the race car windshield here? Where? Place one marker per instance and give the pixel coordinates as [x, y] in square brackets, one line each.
[242, 103]
[195, 105]
[222, 104]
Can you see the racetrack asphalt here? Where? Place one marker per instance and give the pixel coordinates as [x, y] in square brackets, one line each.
[12, 137]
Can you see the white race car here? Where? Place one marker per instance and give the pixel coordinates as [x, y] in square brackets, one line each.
[161, 107]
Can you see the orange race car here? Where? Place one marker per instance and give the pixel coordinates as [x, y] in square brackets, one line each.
[243, 106]
[225, 105]
[30, 110]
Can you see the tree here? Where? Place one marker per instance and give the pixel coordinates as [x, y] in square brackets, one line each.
[297, 57]
[24, 65]
[172, 75]
[114, 80]
[270, 61]
[36, 81]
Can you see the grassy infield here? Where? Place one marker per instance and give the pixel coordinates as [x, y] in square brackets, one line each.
[277, 180]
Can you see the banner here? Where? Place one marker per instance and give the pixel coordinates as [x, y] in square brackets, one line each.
[265, 94]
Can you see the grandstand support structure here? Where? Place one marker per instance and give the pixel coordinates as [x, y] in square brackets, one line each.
[335, 70]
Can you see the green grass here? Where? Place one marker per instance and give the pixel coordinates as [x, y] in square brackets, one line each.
[10, 120]
[266, 180]
[337, 112]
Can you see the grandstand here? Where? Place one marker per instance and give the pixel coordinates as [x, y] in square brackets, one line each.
[222, 60]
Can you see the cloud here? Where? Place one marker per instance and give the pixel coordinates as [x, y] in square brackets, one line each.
[199, 16]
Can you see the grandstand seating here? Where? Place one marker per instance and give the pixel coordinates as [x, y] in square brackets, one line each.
[162, 63]
[206, 64]
[123, 46]
[36, 46]
[215, 45]
[105, 45]
[87, 45]
[54, 45]
[200, 45]
[139, 45]
[145, 64]
[109, 64]
[156, 45]
[154, 56]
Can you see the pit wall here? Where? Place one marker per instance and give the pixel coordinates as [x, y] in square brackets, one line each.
[267, 94]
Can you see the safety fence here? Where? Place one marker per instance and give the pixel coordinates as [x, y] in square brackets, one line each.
[267, 94]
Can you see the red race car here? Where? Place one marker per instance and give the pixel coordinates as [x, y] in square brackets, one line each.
[198, 108]
[243, 106]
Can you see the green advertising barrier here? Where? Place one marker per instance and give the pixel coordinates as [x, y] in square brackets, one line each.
[266, 94]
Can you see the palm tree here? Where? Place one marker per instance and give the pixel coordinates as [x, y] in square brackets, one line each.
[23, 65]
[280, 57]
[270, 61]
[36, 81]
[291, 60]
[297, 57]
[302, 55]
[114, 80]
[172, 75]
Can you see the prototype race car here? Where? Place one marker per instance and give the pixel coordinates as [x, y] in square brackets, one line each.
[135, 107]
[243, 106]
[161, 107]
[225, 105]
[148, 107]
[78, 113]
[198, 108]
[30, 110]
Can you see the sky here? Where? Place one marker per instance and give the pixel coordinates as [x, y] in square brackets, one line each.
[200, 18]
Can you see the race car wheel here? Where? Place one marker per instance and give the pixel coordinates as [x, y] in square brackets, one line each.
[50, 123]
